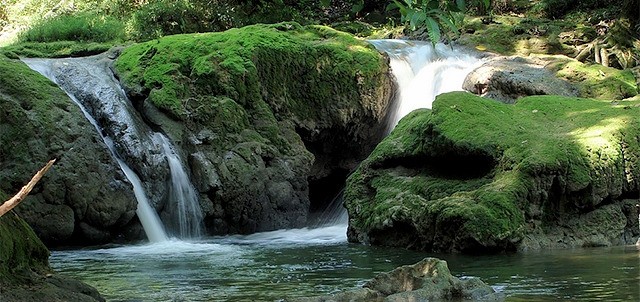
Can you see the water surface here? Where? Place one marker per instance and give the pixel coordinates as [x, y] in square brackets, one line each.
[305, 262]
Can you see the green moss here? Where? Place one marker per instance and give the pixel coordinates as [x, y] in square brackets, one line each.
[597, 81]
[510, 35]
[587, 145]
[55, 49]
[21, 252]
[31, 107]
[246, 77]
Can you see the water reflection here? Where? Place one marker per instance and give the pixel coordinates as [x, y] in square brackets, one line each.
[269, 266]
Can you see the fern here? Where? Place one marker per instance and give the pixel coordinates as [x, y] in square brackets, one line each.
[436, 16]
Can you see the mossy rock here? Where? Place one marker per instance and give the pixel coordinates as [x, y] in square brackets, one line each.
[25, 274]
[22, 254]
[252, 100]
[39, 122]
[472, 174]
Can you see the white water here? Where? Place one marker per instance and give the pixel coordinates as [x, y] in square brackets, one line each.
[148, 217]
[183, 197]
[422, 72]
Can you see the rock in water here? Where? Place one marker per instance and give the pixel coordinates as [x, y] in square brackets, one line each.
[85, 198]
[25, 274]
[261, 112]
[427, 280]
[476, 175]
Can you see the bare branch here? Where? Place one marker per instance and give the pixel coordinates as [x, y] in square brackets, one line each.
[15, 200]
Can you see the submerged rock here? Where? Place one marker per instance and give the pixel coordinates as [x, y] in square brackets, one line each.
[427, 280]
[25, 274]
[260, 112]
[85, 198]
[475, 175]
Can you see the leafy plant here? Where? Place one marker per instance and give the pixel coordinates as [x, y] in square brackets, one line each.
[84, 27]
[437, 17]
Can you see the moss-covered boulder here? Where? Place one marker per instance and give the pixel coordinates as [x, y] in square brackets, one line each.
[85, 198]
[25, 274]
[252, 107]
[476, 175]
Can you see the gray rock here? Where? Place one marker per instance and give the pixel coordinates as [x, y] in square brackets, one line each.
[427, 280]
[508, 78]
[86, 186]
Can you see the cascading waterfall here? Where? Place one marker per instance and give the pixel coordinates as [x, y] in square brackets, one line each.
[183, 196]
[91, 85]
[422, 72]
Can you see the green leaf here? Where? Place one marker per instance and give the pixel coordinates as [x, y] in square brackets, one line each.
[357, 7]
[433, 29]
[325, 3]
[461, 4]
[417, 19]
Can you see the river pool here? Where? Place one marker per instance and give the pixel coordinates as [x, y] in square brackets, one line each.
[287, 263]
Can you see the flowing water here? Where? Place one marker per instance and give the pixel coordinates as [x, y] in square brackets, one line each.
[297, 263]
[312, 261]
[183, 196]
[91, 85]
[423, 71]
[148, 217]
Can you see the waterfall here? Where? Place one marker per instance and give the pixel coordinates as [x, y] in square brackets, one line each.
[137, 149]
[422, 72]
[183, 197]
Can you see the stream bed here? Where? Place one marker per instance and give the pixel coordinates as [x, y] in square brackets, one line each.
[305, 262]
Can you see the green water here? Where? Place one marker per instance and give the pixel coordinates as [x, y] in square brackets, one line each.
[271, 266]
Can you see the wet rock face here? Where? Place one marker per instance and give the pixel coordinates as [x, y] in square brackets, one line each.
[85, 198]
[474, 175]
[508, 78]
[260, 120]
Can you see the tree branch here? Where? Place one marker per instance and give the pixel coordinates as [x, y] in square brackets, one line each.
[15, 200]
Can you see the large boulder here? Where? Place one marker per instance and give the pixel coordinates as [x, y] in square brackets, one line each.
[25, 274]
[427, 280]
[476, 175]
[252, 108]
[85, 198]
[508, 78]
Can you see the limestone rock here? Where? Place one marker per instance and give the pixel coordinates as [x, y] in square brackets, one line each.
[475, 175]
[508, 78]
[25, 274]
[427, 280]
[86, 186]
[261, 119]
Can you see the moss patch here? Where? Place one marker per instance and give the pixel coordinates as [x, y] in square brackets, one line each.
[21, 252]
[246, 77]
[467, 174]
[243, 63]
[59, 49]
[597, 81]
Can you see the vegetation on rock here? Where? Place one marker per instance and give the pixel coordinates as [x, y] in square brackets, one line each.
[471, 174]
[259, 92]
[38, 122]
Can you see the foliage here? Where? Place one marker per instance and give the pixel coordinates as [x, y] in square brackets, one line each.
[437, 17]
[167, 17]
[84, 27]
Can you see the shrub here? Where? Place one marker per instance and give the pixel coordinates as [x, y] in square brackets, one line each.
[169, 17]
[84, 27]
